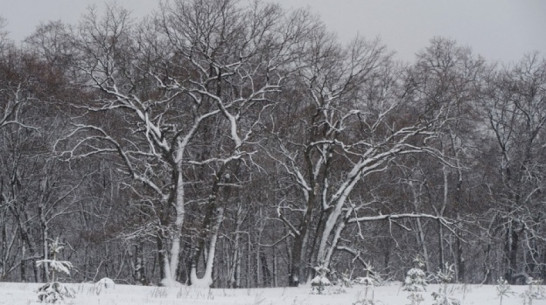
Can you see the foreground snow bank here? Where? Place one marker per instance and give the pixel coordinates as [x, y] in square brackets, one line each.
[391, 294]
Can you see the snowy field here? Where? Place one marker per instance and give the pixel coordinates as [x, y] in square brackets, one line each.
[391, 294]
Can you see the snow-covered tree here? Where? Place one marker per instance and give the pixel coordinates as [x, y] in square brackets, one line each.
[514, 107]
[346, 127]
[320, 282]
[55, 291]
[503, 289]
[534, 291]
[104, 284]
[184, 94]
[368, 281]
[416, 279]
[416, 282]
[444, 276]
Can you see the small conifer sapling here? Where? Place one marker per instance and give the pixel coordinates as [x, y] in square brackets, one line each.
[444, 276]
[415, 282]
[503, 289]
[320, 282]
[54, 291]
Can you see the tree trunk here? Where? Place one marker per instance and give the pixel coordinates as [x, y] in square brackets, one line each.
[161, 256]
[423, 244]
[511, 250]
[211, 224]
[206, 280]
[257, 267]
[441, 255]
[22, 266]
[235, 272]
[139, 272]
[275, 268]
[296, 263]
[266, 273]
[460, 276]
[171, 260]
[45, 229]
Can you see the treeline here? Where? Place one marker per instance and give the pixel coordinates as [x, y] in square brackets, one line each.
[242, 145]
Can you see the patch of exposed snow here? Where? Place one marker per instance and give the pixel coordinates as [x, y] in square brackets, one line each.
[104, 284]
[169, 283]
[389, 294]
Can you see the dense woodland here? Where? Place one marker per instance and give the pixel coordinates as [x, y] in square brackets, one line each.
[241, 145]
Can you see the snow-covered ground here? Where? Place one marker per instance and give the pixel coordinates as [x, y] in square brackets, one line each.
[391, 294]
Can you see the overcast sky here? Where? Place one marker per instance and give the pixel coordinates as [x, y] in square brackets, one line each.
[500, 30]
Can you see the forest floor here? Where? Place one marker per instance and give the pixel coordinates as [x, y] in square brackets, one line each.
[390, 294]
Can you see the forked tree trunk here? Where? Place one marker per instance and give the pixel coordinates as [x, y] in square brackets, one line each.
[211, 225]
[206, 280]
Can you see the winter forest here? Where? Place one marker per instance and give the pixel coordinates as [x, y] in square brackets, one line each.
[237, 144]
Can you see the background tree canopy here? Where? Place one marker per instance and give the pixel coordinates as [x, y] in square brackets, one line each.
[242, 145]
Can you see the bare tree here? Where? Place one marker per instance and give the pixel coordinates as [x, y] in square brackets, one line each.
[35, 190]
[186, 90]
[450, 76]
[357, 118]
[236, 144]
[516, 111]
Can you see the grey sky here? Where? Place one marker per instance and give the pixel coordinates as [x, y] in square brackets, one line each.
[501, 30]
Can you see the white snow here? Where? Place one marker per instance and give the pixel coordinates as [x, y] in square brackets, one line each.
[104, 284]
[390, 294]
[59, 266]
[320, 280]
